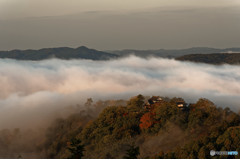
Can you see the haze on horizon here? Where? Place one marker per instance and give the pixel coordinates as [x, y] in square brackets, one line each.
[110, 25]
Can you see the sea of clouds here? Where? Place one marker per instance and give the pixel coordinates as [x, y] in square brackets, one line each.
[33, 92]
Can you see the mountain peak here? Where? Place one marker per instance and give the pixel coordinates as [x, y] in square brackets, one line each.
[61, 53]
[82, 48]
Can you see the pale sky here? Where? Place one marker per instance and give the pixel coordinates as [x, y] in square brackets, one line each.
[115, 24]
[29, 8]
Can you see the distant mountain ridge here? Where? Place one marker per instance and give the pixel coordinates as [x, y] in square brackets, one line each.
[172, 53]
[60, 53]
[217, 58]
[83, 52]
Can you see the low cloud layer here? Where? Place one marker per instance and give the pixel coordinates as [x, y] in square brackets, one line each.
[32, 92]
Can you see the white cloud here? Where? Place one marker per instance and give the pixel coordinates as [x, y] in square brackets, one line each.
[33, 91]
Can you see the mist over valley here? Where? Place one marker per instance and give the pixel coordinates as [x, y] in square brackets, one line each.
[31, 90]
[150, 80]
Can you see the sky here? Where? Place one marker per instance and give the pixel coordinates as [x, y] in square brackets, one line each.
[112, 24]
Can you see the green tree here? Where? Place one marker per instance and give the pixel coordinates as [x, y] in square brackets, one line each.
[76, 149]
[89, 102]
[136, 103]
[230, 140]
[132, 152]
[202, 153]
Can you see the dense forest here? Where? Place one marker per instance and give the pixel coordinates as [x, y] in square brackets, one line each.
[223, 58]
[142, 127]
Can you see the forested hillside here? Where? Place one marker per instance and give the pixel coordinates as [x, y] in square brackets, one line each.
[141, 127]
[217, 58]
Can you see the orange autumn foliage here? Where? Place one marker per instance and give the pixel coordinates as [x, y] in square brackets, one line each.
[146, 121]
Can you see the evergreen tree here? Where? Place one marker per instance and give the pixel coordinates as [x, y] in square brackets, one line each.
[132, 152]
[136, 103]
[76, 149]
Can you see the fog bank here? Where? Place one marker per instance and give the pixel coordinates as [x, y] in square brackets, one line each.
[32, 92]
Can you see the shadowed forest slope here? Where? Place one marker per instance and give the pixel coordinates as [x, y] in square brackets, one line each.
[217, 58]
[157, 127]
